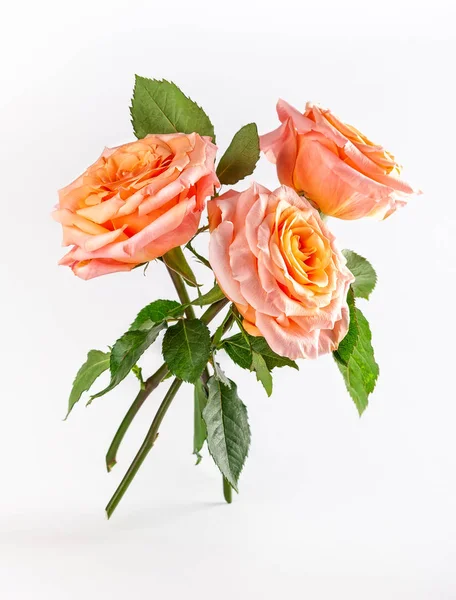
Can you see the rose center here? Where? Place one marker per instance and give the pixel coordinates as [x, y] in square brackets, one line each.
[305, 251]
[125, 172]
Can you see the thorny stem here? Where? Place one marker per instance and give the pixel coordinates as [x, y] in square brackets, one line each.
[146, 446]
[150, 385]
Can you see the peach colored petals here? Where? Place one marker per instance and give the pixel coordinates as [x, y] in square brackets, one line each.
[136, 202]
[276, 260]
[335, 166]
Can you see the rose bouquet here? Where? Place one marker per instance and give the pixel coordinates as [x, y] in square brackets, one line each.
[280, 280]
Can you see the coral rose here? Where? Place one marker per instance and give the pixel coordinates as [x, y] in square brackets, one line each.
[136, 202]
[334, 165]
[276, 260]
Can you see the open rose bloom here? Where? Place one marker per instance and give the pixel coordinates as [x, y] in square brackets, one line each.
[136, 202]
[276, 260]
[334, 165]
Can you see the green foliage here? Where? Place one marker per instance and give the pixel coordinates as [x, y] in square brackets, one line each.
[213, 295]
[228, 431]
[271, 358]
[199, 429]
[199, 257]
[187, 349]
[155, 312]
[239, 348]
[97, 363]
[159, 106]
[219, 374]
[360, 371]
[262, 372]
[137, 372]
[345, 349]
[241, 156]
[175, 260]
[364, 273]
[126, 352]
[222, 329]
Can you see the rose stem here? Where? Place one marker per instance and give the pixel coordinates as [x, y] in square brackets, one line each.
[147, 444]
[227, 494]
[151, 436]
[150, 385]
[182, 292]
[214, 310]
[152, 382]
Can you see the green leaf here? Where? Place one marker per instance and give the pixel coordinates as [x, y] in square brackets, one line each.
[365, 276]
[187, 349]
[159, 106]
[221, 329]
[241, 156]
[271, 358]
[361, 371]
[262, 372]
[238, 349]
[199, 429]
[228, 431]
[176, 261]
[219, 374]
[346, 346]
[213, 295]
[199, 257]
[155, 312]
[126, 352]
[97, 363]
[137, 372]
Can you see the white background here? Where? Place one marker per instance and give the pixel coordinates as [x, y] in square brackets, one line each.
[331, 506]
